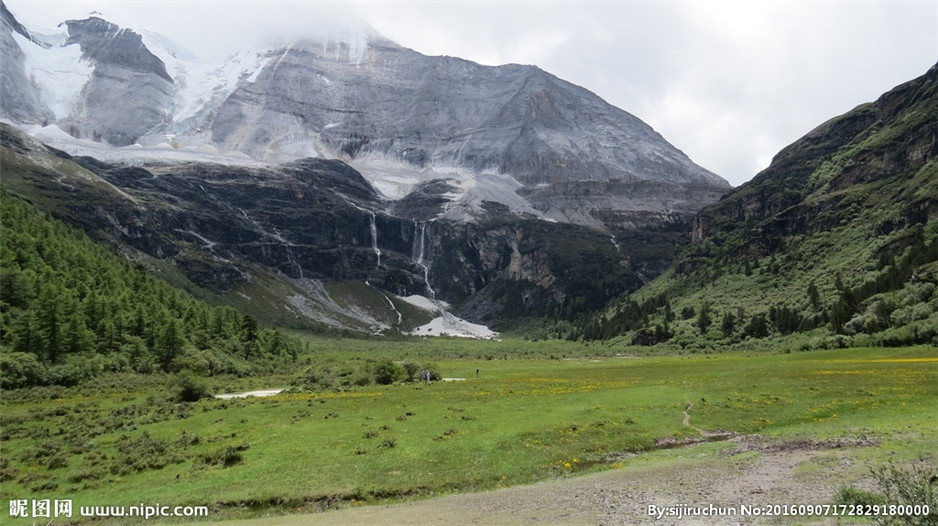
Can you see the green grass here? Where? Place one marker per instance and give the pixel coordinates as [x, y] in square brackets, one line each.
[522, 420]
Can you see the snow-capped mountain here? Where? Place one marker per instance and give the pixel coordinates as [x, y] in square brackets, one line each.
[439, 137]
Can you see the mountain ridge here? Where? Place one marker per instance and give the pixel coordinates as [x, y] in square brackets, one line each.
[518, 202]
[401, 118]
[835, 243]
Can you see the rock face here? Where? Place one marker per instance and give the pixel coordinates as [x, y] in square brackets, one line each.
[511, 134]
[125, 94]
[129, 94]
[821, 180]
[505, 191]
[379, 101]
[313, 221]
[19, 97]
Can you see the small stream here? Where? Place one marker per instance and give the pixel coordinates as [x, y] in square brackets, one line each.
[261, 393]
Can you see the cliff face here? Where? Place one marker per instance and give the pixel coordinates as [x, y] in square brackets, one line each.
[19, 97]
[317, 220]
[395, 103]
[510, 134]
[879, 154]
[129, 93]
[386, 104]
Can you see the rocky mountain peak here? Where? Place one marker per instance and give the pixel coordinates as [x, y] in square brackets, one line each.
[513, 135]
[107, 43]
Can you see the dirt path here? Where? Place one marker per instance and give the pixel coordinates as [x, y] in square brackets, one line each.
[752, 471]
[703, 432]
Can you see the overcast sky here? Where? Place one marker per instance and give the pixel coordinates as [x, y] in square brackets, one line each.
[729, 83]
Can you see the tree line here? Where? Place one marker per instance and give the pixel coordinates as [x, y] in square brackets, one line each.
[70, 309]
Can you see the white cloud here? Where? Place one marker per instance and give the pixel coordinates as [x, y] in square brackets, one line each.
[729, 83]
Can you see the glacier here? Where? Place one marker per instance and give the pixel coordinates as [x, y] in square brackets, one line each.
[59, 72]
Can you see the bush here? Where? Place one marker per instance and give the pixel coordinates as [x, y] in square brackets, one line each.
[850, 496]
[411, 368]
[226, 456]
[913, 486]
[188, 388]
[387, 373]
[19, 369]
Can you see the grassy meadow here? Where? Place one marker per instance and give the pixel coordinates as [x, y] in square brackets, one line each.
[530, 415]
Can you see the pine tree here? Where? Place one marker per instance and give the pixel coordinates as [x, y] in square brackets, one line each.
[703, 318]
[49, 323]
[170, 343]
[757, 327]
[728, 325]
[813, 295]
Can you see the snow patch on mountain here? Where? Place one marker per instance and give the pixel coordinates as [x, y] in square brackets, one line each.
[201, 86]
[446, 324]
[158, 153]
[457, 327]
[475, 189]
[395, 180]
[59, 72]
[425, 303]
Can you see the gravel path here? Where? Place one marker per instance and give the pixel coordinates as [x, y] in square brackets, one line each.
[754, 471]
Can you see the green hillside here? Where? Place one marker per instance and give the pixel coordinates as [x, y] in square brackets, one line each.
[70, 309]
[836, 243]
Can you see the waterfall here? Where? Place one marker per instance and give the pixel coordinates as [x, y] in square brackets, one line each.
[292, 260]
[420, 259]
[374, 238]
[374, 231]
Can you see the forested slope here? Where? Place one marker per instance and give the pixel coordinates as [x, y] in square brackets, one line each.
[71, 309]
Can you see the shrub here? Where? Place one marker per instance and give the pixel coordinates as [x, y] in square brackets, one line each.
[850, 496]
[58, 461]
[19, 369]
[916, 486]
[188, 388]
[227, 456]
[411, 368]
[143, 453]
[388, 372]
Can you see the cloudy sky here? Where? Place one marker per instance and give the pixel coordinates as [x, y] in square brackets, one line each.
[728, 82]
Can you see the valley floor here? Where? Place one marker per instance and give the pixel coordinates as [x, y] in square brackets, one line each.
[709, 439]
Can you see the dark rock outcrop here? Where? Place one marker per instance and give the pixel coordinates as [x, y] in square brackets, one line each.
[316, 219]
